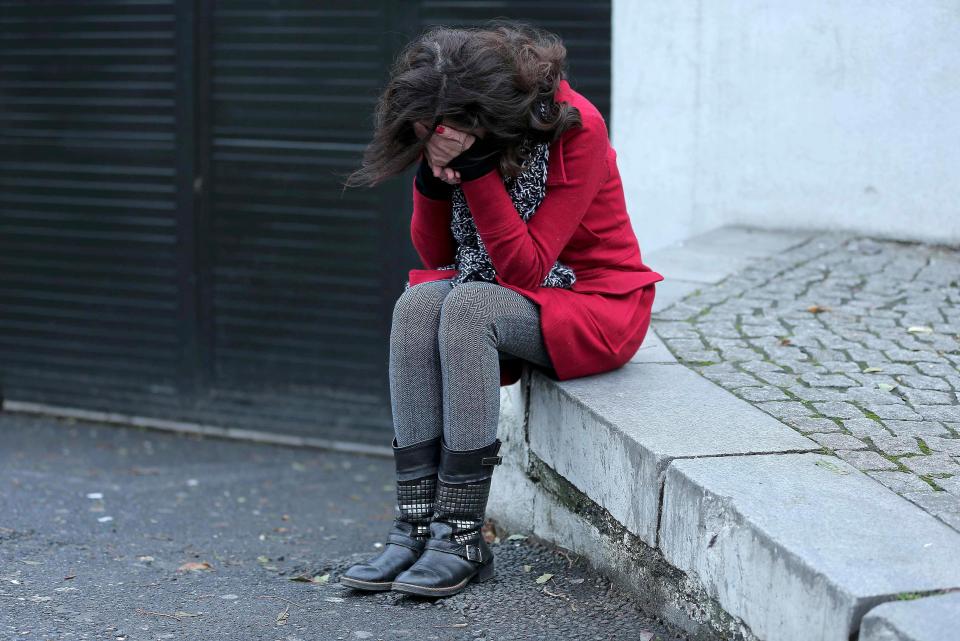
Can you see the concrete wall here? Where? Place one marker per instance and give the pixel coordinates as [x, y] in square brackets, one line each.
[788, 113]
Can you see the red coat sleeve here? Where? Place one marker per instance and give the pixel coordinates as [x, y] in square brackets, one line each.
[430, 230]
[523, 253]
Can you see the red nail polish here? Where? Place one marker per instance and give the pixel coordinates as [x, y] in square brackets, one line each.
[440, 129]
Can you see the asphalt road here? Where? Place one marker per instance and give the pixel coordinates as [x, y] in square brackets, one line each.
[125, 534]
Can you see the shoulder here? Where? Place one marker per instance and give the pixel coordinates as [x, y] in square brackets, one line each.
[593, 121]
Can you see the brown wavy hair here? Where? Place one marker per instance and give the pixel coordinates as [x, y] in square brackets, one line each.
[495, 76]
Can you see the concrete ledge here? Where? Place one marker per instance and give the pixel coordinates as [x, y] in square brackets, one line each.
[612, 436]
[724, 521]
[935, 618]
[800, 545]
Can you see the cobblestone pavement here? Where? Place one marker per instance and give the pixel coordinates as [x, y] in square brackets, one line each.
[853, 342]
[120, 534]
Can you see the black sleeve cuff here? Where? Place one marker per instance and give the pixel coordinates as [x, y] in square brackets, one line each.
[431, 186]
[479, 159]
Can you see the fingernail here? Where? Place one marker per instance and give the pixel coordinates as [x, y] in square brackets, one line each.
[440, 129]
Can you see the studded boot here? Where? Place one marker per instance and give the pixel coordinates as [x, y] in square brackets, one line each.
[456, 552]
[416, 489]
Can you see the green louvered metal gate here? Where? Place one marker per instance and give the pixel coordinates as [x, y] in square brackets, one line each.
[174, 241]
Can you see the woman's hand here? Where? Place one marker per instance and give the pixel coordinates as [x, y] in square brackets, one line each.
[445, 144]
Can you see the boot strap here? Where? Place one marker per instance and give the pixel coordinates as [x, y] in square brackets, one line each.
[399, 538]
[468, 551]
[491, 460]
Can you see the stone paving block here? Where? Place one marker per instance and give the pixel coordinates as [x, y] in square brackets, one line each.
[838, 410]
[936, 463]
[925, 382]
[820, 425]
[612, 435]
[951, 485]
[923, 429]
[817, 393]
[786, 409]
[939, 412]
[931, 618]
[866, 460]
[800, 550]
[865, 427]
[766, 393]
[873, 395]
[927, 397]
[896, 445]
[894, 412]
[901, 482]
[943, 505]
[829, 380]
[941, 444]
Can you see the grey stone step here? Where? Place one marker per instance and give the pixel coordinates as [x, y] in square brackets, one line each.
[932, 618]
[800, 546]
[613, 435]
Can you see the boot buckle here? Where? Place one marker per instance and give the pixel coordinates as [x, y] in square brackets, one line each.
[491, 460]
[473, 552]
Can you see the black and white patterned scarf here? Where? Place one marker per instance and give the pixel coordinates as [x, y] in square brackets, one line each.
[527, 192]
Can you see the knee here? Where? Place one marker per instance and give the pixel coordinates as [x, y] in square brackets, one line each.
[467, 308]
[419, 302]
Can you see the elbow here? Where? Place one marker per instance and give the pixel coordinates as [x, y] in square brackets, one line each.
[529, 278]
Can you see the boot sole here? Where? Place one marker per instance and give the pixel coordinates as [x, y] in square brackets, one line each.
[370, 586]
[484, 574]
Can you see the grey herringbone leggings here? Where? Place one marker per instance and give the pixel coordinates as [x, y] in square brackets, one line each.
[445, 346]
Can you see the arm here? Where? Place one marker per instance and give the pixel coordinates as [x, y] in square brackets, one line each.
[523, 253]
[430, 223]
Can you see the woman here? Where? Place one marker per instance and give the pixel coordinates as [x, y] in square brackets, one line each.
[528, 254]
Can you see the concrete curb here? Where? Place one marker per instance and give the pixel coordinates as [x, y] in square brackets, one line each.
[723, 520]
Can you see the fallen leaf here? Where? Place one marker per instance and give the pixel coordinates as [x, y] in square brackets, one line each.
[886, 387]
[283, 616]
[306, 578]
[919, 329]
[543, 578]
[872, 370]
[262, 559]
[527, 568]
[195, 567]
[69, 577]
[784, 342]
[36, 598]
[517, 537]
[817, 309]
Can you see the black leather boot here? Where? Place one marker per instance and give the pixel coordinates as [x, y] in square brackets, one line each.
[456, 552]
[416, 489]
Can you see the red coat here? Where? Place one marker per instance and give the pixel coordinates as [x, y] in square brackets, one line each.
[599, 323]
